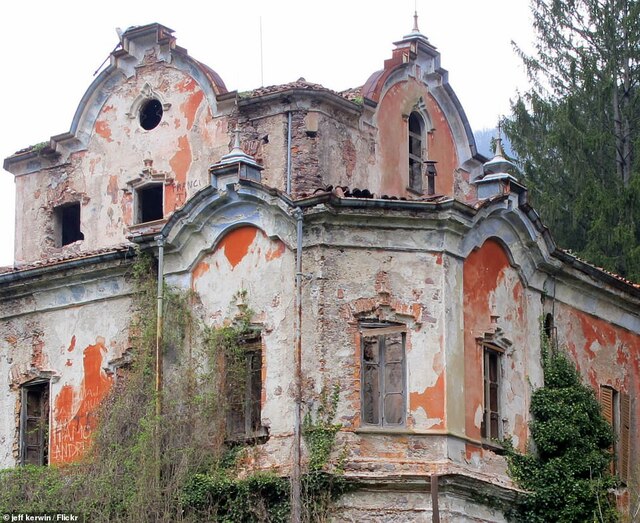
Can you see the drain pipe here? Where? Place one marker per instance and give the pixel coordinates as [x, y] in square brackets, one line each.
[296, 474]
[288, 152]
[159, 319]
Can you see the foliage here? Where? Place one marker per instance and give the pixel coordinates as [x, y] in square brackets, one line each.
[320, 433]
[577, 127]
[566, 469]
[176, 467]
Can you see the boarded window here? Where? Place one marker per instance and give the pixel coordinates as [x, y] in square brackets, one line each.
[616, 409]
[383, 376]
[491, 426]
[67, 224]
[416, 151]
[244, 392]
[150, 203]
[34, 424]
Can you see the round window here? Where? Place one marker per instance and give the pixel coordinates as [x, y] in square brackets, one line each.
[150, 114]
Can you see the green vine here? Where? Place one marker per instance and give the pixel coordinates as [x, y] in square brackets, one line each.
[195, 475]
[565, 472]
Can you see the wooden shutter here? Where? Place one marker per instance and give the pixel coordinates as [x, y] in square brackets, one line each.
[606, 402]
[607, 405]
[625, 434]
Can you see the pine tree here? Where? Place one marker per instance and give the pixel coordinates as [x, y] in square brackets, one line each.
[576, 129]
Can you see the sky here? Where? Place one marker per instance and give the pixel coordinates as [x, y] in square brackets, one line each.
[51, 51]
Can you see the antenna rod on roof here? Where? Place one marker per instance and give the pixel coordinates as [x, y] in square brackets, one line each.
[261, 57]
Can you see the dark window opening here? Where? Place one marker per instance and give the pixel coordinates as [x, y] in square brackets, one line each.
[150, 114]
[68, 224]
[490, 427]
[244, 391]
[34, 424]
[383, 376]
[416, 151]
[550, 330]
[150, 203]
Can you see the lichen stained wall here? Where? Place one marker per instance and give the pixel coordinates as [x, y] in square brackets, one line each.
[178, 151]
[501, 311]
[76, 348]
[351, 284]
[246, 259]
[393, 152]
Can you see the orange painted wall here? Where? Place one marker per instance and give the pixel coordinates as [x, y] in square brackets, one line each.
[75, 409]
[393, 139]
[485, 271]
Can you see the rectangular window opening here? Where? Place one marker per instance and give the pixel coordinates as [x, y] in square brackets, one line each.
[383, 375]
[150, 203]
[244, 392]
[491, 428]
[67, 224]
[34, 424]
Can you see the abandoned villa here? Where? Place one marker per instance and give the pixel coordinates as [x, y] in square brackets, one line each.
[379, 252]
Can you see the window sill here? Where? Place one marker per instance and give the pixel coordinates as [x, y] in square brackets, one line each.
[415, 191]
[494, 446]
[382, 430]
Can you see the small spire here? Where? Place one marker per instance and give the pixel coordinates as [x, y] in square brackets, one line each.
[236, 143]
[499, 150]
[415, 22]
[236, 153]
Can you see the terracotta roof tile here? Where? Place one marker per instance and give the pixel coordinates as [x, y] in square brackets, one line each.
[64, 257]
[302, 84]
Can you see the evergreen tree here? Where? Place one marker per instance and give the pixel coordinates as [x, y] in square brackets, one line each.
[575, 131]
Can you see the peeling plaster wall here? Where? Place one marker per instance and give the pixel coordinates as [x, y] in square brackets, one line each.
[351, 284]
[605, 355]
[76, 347]
[178, 151]
[247, 259]
[497, 306]
[393, 138]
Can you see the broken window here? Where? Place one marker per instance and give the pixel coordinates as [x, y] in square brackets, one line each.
[491, 426]
[34, 424]
[150, 203]
[616, 409]
[416, 151]
[244, 391]
[150, 114]
[67, 224]
[383, 375]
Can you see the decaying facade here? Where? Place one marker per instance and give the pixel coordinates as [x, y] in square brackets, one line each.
[425, 274]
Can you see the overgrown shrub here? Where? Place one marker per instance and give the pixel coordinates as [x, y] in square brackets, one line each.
[566, 470]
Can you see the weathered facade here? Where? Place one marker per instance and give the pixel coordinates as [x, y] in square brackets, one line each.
[425, 273]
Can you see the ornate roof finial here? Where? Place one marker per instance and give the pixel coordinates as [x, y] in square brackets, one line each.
[236, 153]
[499, 164]
[415, 21]
[499, 151]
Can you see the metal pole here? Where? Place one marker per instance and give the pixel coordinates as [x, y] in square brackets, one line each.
[158, 388]
[296, 502]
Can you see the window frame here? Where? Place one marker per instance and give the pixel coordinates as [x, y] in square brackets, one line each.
[43, 420]
[492, 353]
[616, 409]
[381, 331]
[62, 228]
[252, 349]
[416, 157]
[138, 205]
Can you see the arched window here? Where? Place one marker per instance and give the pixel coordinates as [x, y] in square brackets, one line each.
[416, 151]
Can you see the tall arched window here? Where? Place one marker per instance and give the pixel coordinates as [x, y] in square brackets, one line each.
[416, 151]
